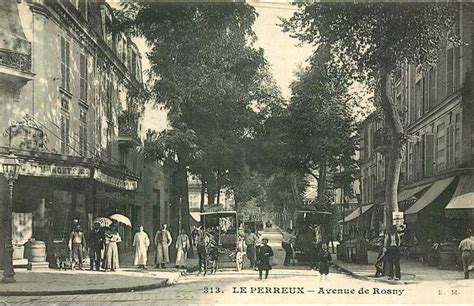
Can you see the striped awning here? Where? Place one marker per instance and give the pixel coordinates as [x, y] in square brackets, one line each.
[428, 197]
[463, 197]
[408, 193]
[356, 213]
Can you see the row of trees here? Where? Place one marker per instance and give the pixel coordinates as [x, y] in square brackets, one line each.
[229, 124]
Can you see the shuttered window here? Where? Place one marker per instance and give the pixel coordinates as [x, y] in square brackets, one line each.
[83, 78]
[64, 134]
[65, 64]
[440, 147]
[429, 148]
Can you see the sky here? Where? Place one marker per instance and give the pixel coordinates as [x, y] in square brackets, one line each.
[280, 49]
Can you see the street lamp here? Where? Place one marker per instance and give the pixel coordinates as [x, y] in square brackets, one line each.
[11, 169]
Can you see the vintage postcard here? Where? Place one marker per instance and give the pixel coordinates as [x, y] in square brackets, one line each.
[236, 152]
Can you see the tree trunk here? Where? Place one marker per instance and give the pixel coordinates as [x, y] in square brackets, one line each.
[394, 123]
[203, 195]
[210, 196]
[321, 183]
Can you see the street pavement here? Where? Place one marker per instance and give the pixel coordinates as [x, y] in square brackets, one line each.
[293, 285]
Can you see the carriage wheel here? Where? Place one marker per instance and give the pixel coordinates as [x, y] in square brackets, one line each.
[239, 261]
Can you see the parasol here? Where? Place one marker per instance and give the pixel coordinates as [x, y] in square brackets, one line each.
[122, 219]
[103, 221]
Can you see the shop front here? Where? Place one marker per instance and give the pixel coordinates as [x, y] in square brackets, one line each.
[51, 195]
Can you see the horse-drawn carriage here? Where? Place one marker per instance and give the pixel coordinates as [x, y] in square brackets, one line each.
[224, 227]
[312, 228]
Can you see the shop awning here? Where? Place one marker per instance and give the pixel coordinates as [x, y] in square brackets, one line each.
[435, 190]
[356, 213]
[464, 195]
[408, 193]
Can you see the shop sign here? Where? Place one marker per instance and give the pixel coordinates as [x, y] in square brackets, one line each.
[120, 183]
[26, 134]
[35, 169]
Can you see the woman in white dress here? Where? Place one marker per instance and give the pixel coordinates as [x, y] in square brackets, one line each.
[141, 242]
[182, 248]
[112, 237]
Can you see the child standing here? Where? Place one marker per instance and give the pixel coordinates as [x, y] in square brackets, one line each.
[324, 261]
[263, 258]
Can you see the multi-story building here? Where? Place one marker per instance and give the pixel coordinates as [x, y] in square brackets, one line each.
[76, 125]
[436, 103]
[224, 201]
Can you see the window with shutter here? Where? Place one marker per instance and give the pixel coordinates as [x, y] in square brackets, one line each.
[440, 147]
[83, 78]
[429, 154]
[65, 64]
[64, 134]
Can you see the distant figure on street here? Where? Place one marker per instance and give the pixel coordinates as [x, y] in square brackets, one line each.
[96, 245]
[287, 240]
[182, 248]
[392, 247]
[141, 242]
[202, 243]
[111, 260]
[467, 249]
[324, 260]
[263, 258]
[163, 241]
[77, 241]
[250, 241]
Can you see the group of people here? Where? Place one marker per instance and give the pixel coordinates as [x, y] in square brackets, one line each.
[319, 255]
[163, 241]
[103, 250]
[388, 261]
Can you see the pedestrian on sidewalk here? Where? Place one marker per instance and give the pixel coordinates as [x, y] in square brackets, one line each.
[250, 241]
[467, 248]
[182, 248]
[163, 241]
[77, 242]
[112, 237]
[324, 260]
[392, 248]
[263, 258]
[202, 243]
[141, 242]
[96, 245]
[287, 240]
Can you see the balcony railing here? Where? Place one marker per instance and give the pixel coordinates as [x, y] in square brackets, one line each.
[382, 140]
[128, 129]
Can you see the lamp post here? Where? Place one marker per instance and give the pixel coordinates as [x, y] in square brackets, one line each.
[11, 167]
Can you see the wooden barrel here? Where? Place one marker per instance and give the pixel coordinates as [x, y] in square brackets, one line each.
[38, 251]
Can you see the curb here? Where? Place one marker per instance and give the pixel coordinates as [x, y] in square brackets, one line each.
[379, 280]
[160, 284]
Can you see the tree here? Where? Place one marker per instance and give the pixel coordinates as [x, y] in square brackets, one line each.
[206, 72]
[321, 128]
[369, 42]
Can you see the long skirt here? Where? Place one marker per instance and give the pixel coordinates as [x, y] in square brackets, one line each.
[111, 256]
[162, 254]
[181, 257]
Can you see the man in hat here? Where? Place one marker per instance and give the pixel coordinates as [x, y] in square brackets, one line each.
[96, 245]
[77, 241]
[467, 248]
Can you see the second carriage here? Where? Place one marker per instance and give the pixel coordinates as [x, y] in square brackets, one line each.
[229, 236]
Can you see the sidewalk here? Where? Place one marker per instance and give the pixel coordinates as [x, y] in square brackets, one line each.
[67, 282]
[412, 271]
